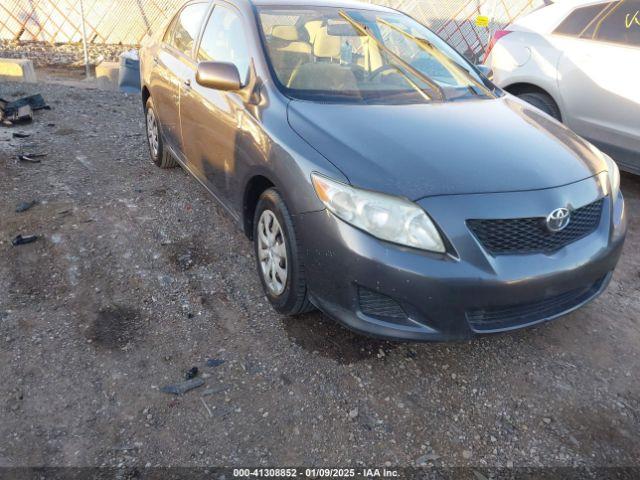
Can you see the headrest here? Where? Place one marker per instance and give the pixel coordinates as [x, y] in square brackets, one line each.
[312, 28]
[326, 46]
[285, 32]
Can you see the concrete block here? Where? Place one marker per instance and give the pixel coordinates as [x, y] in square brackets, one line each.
[107, 74]
[17, 69]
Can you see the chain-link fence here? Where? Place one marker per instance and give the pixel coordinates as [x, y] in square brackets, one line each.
[128, 21]
[60, 21]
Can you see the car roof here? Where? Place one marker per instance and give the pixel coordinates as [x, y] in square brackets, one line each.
[321, 3]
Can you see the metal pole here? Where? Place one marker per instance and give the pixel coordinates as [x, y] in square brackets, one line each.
[84, 42]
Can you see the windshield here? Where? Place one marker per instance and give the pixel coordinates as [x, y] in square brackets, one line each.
[347, 55]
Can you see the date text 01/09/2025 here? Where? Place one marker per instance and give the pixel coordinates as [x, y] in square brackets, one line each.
[315, 472]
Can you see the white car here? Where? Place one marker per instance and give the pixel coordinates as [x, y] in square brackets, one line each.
[579, 61]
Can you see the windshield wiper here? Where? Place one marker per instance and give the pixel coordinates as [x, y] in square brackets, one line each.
[463, 75]
[406, 66]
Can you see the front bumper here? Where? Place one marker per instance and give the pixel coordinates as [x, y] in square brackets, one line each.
[469, 291]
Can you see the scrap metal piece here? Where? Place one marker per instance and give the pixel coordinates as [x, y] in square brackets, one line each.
[31, 157]
[23, 240]
[184, 387]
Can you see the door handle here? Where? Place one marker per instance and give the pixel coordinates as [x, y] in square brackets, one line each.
[187, 83]
[155, 60]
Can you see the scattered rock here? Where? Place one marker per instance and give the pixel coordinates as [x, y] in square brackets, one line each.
[428, 457]
[24, 206]
[185, 261]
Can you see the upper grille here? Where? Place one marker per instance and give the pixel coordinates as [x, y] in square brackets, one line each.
[530, 235]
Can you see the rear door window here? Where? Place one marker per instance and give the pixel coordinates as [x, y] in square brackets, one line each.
[580, 19]
[186, 27]
[619, 24]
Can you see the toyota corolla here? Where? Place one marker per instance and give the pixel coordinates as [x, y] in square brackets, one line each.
[382, 177]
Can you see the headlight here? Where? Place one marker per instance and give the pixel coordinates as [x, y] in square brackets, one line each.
[614, 176]
[386, 217]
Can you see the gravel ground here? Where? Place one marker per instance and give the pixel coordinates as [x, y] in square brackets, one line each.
[138, 275]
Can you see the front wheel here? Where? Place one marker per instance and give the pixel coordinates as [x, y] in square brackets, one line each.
[280, 267]
[158, 153]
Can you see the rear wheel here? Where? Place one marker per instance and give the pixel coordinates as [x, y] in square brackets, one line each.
[542, 101]
[280, 266]
[159, 155]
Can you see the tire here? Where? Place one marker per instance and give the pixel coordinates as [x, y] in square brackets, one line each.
[158, 154]
[543, 102]
[289, 295]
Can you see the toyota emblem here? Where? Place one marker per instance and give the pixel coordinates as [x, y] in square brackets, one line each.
[558, 219]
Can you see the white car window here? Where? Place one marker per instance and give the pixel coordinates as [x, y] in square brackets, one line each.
[615, 22]
[580, 19]
[619, 24]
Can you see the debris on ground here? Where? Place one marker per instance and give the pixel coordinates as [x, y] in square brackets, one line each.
[429, 457]
[31, 157]
[21, 135]
[33, 102]
[214, 390]
[24, 206]
[206, 406]
[23, 239]
[214, 362]
[192, 373]
[21, 110]
[184, 387]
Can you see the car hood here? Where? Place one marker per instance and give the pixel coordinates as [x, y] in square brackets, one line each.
[470, 146]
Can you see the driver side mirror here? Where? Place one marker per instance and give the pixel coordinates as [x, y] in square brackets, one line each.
[218, 75]
[486, 71]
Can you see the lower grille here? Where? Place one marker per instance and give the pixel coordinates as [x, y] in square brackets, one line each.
[530, 235]
[374, 304]
[493, 319]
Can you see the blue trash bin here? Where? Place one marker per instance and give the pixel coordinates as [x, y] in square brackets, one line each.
[129, 77]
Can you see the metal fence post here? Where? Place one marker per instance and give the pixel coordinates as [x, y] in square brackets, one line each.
[84, 42]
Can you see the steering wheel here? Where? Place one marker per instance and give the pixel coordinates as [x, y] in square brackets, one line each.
[381, 69]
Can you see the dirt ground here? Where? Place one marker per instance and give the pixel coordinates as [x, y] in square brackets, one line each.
[138, 275]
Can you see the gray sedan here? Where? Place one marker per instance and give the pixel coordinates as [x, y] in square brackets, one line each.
[382, 177]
